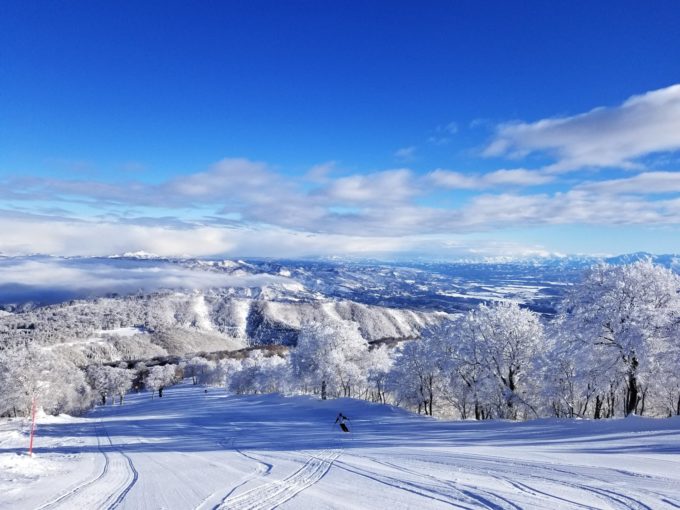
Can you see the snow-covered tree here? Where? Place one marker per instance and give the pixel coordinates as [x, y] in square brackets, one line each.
[110, 382]
[29, 372]
[489, 360]
[159, 377]
[99, 380]
[510, 342]
[275, 376]
[223, 371]
[622, 318]
[196, 368]
[377, 365]
[458, 355]
[329, 356]
[415, 378]
[259, 373]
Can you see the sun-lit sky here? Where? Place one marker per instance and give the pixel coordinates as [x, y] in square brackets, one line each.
[381, 129]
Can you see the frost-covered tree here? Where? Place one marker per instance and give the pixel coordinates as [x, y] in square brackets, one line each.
[196, 368]
[621, 318]
[510, 340]
[242, 378]
[329, 356]
[99, 380]
[121, 382]
[159, 377]
[377, 364]
[415, 378]
[259, 373]
[490, 360]
[275, 376]
[29, 372]
[20, 374]
[223, 371]
[464, 378]
[110, 381]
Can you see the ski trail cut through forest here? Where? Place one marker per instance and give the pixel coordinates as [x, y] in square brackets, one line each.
[265, 451]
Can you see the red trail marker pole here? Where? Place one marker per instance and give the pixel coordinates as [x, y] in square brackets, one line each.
[30, 446]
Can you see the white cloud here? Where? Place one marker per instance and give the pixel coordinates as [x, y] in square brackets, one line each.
[451, 128]
[498, 178]
[572, 207]
[405, 153]
[642, 184]
[453, 180]
[602, 137]
[24, 279]
[376, 188]
[33, 234]
[321, 173]
[516, 177]
[443, 134]
[229, 180]
[491, 248]
[246, 208]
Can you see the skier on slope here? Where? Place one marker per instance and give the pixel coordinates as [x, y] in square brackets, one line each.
[341, 419]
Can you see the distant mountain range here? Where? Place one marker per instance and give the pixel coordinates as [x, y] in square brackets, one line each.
[38, 280]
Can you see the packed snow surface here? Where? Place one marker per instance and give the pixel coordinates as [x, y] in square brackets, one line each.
[197, 450]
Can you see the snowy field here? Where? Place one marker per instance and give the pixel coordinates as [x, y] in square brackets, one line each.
[196, 450]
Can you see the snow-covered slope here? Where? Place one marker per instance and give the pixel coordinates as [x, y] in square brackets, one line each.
[178, 323]
[196, 450]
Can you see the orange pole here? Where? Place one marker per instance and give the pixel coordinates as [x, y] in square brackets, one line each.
[30, 446]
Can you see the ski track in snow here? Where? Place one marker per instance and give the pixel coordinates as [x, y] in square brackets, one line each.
[263, 469]
[612, 497]
[271, 495]
[605, 492]
[131, 476]
[68, 496]
[449, 496]
[210, 451]
[118, 472]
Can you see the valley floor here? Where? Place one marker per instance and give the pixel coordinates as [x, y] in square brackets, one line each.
[197, 450]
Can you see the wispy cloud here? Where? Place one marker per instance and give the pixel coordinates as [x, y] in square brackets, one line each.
[603, 137]
[249, 208]
[22, 279]
[405, 154]
[574, 207]
[442, 135]
[24, 234]
[380, 187]
[646, 183]
[321, 173]
[518, 177]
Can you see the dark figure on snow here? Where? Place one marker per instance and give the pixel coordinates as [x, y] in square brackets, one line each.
[341, 419]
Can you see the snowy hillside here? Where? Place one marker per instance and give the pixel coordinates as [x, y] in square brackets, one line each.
[196, 450]
[177, 323]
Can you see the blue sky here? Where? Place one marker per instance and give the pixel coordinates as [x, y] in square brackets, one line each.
[444, 129]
